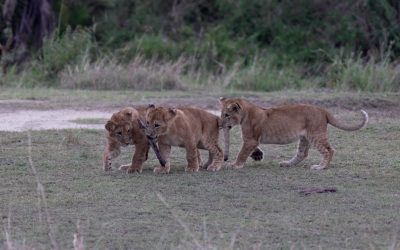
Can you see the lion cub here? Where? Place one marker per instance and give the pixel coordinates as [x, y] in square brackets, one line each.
[283, 125]
[191, 128]
[123, 130]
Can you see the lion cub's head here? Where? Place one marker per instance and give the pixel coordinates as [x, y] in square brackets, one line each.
[121, 125]
[158, 120]
[231, 113]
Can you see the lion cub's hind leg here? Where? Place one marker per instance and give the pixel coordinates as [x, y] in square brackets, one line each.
[217, 157]
[302, 153]
[326, 150]
[192, 157]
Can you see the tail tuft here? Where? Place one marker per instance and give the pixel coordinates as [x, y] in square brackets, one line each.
[366, 117]
[334, 122]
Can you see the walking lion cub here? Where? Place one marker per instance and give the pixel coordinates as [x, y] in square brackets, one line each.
[283, 125]
[190, 128]
[122, 130]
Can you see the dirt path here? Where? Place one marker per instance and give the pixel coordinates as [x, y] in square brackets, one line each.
[17, 119]
[22, 115]
[23, 120]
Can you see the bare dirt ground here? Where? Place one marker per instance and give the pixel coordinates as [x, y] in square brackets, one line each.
[49, 119]
[18, 119]
[22, 115]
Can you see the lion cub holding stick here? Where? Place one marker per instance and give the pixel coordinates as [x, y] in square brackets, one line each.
[190, 128]
[283, 125]
[123, 129]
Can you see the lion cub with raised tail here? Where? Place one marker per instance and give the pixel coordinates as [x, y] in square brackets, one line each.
[190, 128]
[283, 125]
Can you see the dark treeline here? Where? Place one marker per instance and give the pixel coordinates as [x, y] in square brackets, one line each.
[304, 30]
[223, 32]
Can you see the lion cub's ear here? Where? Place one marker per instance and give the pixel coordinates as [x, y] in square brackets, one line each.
[170, 114]
[172, 111]
[110, 126]
[128, 113]
[151, 106]
[235, 107]
[222, 99]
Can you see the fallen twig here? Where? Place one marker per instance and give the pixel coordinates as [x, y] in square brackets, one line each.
[311, 190]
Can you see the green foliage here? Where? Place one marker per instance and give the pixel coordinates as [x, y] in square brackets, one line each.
[263, 74]
[58, 52]
[355, 73]
[221, 38]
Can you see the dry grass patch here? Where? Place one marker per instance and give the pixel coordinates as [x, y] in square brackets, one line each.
[139, 74]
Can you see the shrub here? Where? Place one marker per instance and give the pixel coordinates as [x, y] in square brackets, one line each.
[355, 73]
[69, 48]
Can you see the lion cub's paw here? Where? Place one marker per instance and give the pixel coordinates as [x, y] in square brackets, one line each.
[162, 170]
[318, 167]
[235, 166]
[257, 154]
[124, 167]
[129, 169]
[187, 169]
[204, 165]
[285, 164]
[214, 167]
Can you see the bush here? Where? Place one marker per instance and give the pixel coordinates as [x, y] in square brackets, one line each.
[70, 48]
[355, 73]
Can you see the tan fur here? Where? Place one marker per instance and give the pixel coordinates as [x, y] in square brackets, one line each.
[190, 128]
[283, 125]
[123, 130]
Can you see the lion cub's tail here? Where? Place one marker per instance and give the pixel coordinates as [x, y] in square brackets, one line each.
[334, 122]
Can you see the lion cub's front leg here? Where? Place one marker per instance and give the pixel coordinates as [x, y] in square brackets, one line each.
[111, 151]
[247, 148]
[139, 157]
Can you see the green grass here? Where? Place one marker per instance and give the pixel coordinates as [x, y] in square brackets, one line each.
[256, 207]
[46, 98]
[89, 121]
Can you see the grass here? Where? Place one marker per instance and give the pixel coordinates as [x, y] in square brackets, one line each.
[46, 98]
[256, 207]
[78, 69]
[89, 121]
[138, 74]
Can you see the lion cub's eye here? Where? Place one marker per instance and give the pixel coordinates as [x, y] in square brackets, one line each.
[226, 115]
[119, 133]
[156, 125]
